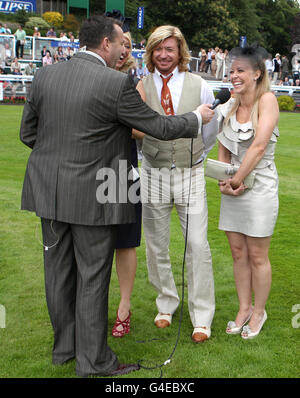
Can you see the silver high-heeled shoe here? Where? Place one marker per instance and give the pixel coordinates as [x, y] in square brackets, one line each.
[247, 332]
[233, 329]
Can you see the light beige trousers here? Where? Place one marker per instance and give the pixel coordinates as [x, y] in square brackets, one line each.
[161, 190]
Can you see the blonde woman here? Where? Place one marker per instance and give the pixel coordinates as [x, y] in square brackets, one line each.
[129, 235]
[247, 139]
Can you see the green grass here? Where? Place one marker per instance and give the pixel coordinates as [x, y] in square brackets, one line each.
[26, 342]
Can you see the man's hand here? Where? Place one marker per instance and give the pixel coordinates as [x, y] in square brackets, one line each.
[206, 112]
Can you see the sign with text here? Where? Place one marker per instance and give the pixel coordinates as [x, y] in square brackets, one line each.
[64, 44]
[10, 7]
[138, 54]
[140, 18]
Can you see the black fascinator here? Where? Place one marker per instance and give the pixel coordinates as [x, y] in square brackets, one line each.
[253, 50]
[116, 14]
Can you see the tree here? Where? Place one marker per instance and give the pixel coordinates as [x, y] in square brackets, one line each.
[295, 30]
[204, 23]
[244, 13]
[21, 16]
[277, 18]
[208, 23]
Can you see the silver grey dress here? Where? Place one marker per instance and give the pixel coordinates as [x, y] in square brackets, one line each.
[253, 213]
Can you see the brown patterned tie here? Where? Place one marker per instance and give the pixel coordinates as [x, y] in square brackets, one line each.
[166, 99]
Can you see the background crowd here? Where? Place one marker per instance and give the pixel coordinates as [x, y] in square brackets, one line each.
[216, 62]
[213, 61]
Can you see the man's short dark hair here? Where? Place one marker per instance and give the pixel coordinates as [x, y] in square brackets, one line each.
[95, 29]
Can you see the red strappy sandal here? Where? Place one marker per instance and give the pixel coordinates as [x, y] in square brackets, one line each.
[125, 324]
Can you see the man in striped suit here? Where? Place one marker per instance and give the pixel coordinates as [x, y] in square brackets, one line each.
[78, 120]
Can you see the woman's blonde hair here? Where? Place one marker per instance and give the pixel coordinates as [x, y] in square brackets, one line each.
[130, 62]
[257, 63]
[160, 34]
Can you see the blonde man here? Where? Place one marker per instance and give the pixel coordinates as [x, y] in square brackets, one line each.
[166, 169]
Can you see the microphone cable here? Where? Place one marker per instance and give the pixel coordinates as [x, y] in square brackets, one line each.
[47, 247]
[168, 360]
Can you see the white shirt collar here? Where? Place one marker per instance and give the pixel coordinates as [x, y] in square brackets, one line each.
[175, 72]
[95, 55]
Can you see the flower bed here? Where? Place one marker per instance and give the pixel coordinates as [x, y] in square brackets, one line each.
[13, 100]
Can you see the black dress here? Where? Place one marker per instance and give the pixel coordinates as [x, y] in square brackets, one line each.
[129, 235]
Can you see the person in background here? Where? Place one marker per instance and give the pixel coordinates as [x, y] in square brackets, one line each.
[220, 64]
[7, 30]
[30, 69]
[69, 53]
[284, 68]
[276, 68]
[60, 53]
[63, 37]
[140, 71]
[71, 37]
[47, 60]
[55, 59]
[203, 58]
[129, 235]
[208, 61]
[15, 67]
[20, 35]
[296, 70]
[44, 52]
[286, 81]
[36, 32]
[171, 90]
[214, 61]
[8, 55]
[247, 139]
[51, 33]
[269, 66]
[2, 29]
[297, 83]
[226, 62]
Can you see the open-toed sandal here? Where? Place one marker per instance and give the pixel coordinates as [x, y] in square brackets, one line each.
[125, 325]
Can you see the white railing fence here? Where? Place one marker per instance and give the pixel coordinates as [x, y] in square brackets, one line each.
[19, 85]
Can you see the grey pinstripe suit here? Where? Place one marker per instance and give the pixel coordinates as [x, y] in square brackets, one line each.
[77, 120]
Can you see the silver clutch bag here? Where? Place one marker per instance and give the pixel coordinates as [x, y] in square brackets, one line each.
[222, 171]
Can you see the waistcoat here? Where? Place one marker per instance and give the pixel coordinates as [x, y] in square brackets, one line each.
[175, 152]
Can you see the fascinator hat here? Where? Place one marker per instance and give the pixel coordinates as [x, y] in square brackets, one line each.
[253, 51]
[255, 55]
[116, 14]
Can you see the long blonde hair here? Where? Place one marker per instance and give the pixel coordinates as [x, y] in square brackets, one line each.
[160, 34]
[262, 86]
[130, 62]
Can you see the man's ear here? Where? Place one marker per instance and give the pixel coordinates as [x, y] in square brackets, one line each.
[105, 44]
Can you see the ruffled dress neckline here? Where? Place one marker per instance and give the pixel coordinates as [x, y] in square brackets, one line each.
[235, 133]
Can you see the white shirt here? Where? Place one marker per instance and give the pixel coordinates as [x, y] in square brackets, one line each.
[95, 55]
[269, 64]
[210, 130]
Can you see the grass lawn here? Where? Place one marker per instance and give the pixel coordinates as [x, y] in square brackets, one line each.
[26, 341]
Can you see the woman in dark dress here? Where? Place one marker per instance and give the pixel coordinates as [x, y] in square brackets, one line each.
[129, 235]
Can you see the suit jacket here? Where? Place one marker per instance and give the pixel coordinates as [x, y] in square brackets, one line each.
[78, 120]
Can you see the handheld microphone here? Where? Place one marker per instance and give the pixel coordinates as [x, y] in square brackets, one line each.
[222, 96]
